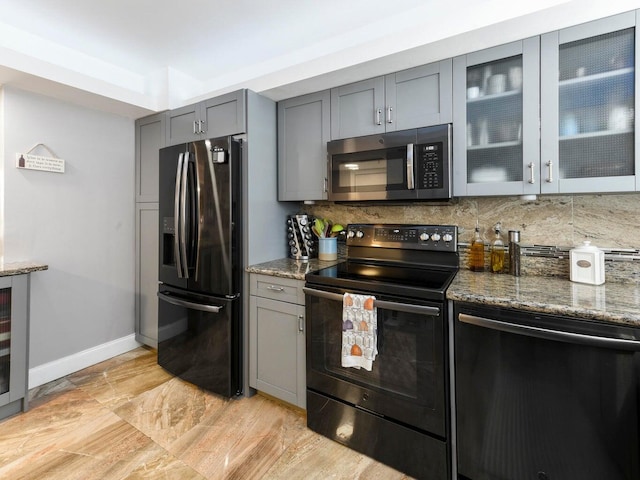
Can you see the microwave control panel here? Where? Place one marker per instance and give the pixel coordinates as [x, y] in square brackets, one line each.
[430, 171]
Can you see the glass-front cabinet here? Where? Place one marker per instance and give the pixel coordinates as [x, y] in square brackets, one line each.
[550, 114]
[496, 110]
[588, 105]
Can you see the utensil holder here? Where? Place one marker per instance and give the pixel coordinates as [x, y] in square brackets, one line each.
[328, 248]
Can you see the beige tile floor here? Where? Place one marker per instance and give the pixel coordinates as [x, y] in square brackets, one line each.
[126, 418]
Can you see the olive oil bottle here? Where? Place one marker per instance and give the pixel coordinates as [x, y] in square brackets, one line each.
[476, 252]
[497, 251]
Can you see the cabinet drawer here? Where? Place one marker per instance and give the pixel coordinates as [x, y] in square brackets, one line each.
[277, 288]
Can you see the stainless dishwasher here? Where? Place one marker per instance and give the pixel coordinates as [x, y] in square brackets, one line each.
[544, 397]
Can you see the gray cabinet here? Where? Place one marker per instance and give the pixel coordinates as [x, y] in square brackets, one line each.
[150, 138]
[277, 364]
[589, 96]
[150, 132]
[412, 98]
[303, 133]
[549, 114]
[216, 117]
[14, 331]
[147, 259]
[496, 97]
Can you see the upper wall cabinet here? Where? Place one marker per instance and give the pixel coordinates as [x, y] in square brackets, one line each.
[150, 138]
[495, 115]
[550, 114]
[217, 117]
[588, 87]
[417, 97]
[303, 133]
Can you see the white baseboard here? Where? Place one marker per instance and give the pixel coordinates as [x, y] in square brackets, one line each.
[64, 366]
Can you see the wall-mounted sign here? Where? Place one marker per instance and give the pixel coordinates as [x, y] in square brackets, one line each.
[37, 162]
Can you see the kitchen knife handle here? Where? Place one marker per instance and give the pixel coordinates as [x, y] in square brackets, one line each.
[410, 177]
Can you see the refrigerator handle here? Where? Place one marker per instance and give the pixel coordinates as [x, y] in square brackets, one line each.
[184, 303]
[183, 219]
[176, 217]
[196, 216]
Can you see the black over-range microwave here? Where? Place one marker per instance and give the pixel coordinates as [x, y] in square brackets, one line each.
[405, 165]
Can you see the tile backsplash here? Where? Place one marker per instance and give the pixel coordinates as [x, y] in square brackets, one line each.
[609, 221]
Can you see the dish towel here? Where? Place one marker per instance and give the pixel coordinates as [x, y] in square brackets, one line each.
[359, 331]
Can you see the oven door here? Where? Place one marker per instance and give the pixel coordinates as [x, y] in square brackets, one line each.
[407, 381]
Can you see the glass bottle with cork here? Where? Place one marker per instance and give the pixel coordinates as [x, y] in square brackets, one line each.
[476, 251]
[497, 250]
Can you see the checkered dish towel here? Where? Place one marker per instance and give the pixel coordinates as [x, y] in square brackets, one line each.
[359, 331]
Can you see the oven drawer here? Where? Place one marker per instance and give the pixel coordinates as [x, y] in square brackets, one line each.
[277, 288]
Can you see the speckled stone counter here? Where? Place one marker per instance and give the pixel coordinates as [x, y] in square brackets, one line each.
[20, 268]
[289, 268]
[611, 302]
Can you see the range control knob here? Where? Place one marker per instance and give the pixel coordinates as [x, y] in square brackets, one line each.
[424, 237]
[359, 234]
[447, 237]
[435, 237]
[351, 234]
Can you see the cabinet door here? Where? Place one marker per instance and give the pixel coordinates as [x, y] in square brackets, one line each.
[277, 364]
[183, 125]
[147, 259]
[303, 133]
[224, 115]
[419, 97]
[357, 109]
[150, 138]
[496, 98]
[588, 104]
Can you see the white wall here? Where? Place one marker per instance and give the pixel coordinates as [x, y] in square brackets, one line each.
[80, 223]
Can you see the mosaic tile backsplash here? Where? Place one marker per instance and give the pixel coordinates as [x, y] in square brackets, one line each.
[611, 222]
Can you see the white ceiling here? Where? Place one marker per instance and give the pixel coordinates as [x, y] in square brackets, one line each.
[138, 56]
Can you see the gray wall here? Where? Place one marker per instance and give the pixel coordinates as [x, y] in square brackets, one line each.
[80, 223]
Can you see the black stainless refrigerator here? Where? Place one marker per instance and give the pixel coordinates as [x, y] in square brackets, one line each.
[199, 304]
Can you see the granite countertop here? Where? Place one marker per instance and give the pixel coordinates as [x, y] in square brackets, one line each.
[289, 268]
[20, 268]
[610, 302]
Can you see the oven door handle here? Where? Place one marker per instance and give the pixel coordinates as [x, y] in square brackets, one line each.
[399, 307]
[546, 334]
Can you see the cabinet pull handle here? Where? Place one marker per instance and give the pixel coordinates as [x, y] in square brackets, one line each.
[532, 178]
[389, 110]
[201, 123]
[378, 114]
[300, 323]
[326, 185]
[275, 289]
[550, 177]
[195, 127]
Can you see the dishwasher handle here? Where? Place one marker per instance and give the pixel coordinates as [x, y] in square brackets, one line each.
[555, 335]
[399, 307]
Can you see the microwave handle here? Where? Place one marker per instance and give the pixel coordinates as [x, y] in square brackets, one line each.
[410, 176]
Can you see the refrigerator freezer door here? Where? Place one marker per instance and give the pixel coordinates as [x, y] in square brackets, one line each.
[198, 340]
